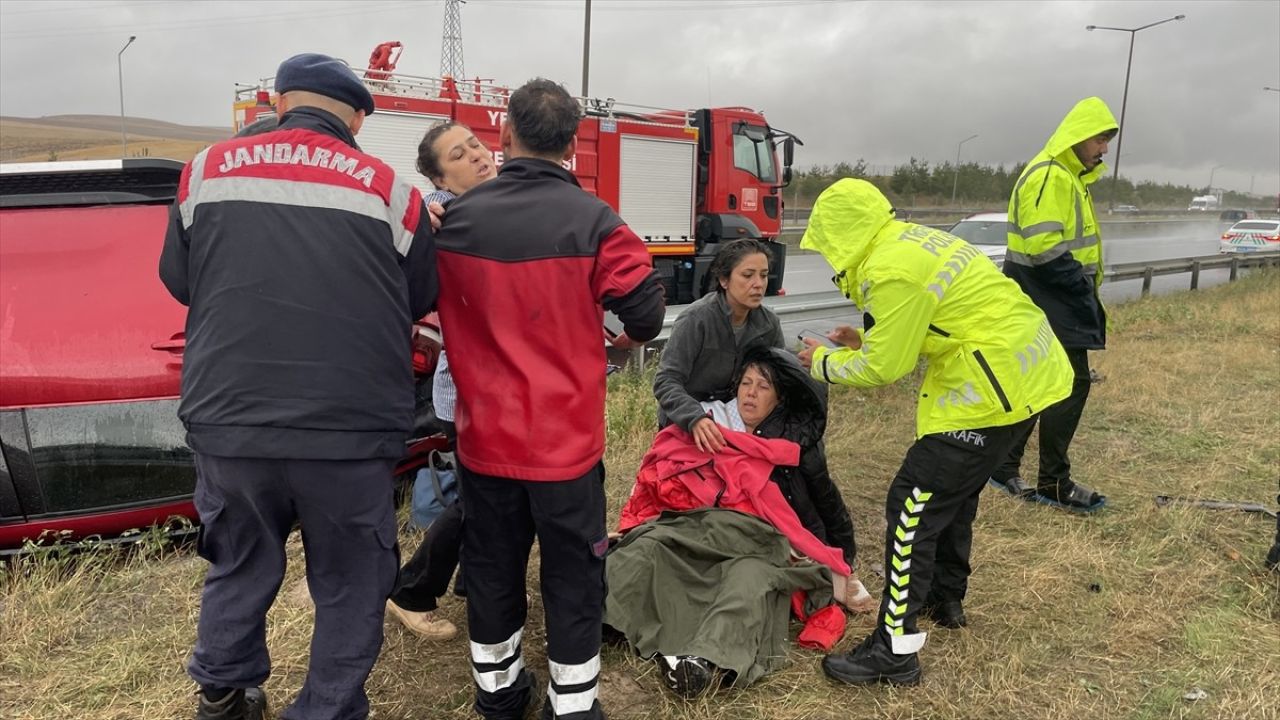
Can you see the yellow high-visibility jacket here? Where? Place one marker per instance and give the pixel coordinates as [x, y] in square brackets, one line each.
[992, 358]
[1055, 250]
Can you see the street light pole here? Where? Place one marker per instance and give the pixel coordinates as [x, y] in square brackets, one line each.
[586, 49]
[1211, 172]
[124, 138]
[1124, 101]
[955, 178]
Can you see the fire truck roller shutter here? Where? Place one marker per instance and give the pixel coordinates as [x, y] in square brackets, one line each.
[393, 138]
[655, 188]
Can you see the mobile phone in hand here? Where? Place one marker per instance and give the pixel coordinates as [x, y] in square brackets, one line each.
[610, 332]
[816, 336]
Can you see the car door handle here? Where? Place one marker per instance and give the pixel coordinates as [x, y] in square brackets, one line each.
[174, 345]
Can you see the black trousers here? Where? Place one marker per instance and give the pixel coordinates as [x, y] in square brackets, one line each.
[425, 578]
[930, 510]
[503, 518]
[247, 508]
[1058, 424]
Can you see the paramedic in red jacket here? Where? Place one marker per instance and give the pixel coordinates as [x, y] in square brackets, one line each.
[527, 261]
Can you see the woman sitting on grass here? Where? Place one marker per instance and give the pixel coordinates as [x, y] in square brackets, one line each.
[736, 574]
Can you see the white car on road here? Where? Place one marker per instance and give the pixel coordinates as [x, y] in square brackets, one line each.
[1251, 236]
[986, 231]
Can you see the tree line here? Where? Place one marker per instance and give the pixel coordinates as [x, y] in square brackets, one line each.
[918, 184]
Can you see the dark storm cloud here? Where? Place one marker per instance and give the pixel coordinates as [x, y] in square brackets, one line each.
[877, 80]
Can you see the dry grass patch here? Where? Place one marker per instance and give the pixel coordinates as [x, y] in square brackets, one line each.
[1112, 616]
[33, 142]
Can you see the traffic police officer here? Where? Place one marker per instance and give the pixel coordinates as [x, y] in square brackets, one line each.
[1055, 256]
[993, 363]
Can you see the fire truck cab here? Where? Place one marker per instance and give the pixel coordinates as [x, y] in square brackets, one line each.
[684, 181]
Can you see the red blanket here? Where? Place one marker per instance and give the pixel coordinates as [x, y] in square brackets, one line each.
[676, 475]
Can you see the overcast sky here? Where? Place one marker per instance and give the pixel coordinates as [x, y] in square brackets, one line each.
[876, 80]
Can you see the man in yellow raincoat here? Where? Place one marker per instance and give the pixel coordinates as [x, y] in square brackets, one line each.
[1055, 256]
[992, 364]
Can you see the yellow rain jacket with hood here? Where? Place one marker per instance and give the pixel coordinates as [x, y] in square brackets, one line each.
[992, 359]
[1055, 251]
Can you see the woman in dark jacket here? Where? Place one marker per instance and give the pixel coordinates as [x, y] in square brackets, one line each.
[801, 417]
[773, 398]
[707, 343]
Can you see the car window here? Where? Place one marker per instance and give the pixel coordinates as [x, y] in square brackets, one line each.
[93, 456]
[982, 232]
[1256, 225]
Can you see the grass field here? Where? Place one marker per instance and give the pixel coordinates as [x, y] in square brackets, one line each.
[1113, 616]
[34, 142]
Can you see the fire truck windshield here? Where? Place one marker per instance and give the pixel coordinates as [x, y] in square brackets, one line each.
[753, 152]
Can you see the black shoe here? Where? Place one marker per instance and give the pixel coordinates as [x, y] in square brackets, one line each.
[1273, 557]
[872, 662]
[687, 675]
[947, 614]
[1014, 486]
[1071, 496]
[239, 704]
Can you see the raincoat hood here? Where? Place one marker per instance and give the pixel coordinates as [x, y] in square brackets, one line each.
[1088, 118]
[801, 415]
[845, 218]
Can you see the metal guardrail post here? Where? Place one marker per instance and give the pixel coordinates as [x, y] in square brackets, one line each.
[1195, 274]
[1235, 268]
[1147, 274]
[637, 357]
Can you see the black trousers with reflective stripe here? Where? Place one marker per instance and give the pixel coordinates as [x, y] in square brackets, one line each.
[1058, 425]
[247, 508]
[503, 518]
[930, 510]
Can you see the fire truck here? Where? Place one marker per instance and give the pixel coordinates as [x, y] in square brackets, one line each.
[683, 180]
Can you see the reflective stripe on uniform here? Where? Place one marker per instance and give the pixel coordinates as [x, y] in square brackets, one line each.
[497, 666]
[496, 652]
[577, 674]
[900, 563]
[1038, 228]
[290, 192]
[398, 207]
[187, 208]
[1052, 253]
[492, 681]
[573, 687]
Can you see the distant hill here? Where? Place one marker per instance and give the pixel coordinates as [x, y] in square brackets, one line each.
[97, 137]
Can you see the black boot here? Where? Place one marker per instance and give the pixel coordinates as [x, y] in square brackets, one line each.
[872, 662]
[239, 704]
[687, 675]
[947, 613]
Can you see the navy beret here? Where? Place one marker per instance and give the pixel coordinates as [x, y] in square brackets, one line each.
[326, 76]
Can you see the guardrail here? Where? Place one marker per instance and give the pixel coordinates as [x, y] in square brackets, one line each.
[815, 306]
[798, 225]
[1149, 269]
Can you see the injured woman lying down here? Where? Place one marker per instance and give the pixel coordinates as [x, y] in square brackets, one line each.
[717, 550]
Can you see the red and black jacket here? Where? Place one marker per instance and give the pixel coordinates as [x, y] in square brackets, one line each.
[303, 262]
[527, 261]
